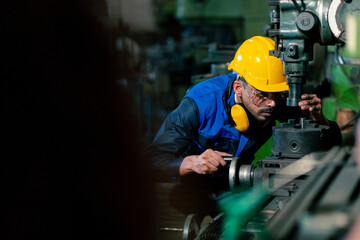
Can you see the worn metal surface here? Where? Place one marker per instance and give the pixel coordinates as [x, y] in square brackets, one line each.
[295, 139]
[326, 206]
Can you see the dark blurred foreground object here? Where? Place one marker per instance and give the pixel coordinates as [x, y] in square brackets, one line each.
[70, 163]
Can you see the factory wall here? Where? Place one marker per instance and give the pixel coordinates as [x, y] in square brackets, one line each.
[138, 14]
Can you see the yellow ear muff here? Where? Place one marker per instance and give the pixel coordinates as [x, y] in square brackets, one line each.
[240, 118]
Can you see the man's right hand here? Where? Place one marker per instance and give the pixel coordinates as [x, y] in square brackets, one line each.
[206, 163]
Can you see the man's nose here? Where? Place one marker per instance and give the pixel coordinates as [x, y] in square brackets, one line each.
[271, 103]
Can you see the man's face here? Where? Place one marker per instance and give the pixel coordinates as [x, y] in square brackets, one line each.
[260, 104]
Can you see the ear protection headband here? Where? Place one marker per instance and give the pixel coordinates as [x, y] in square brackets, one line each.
[237, 114]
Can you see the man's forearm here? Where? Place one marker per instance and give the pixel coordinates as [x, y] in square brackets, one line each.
[186, 166]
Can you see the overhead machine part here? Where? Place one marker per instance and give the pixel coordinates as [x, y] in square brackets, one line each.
[304, 23]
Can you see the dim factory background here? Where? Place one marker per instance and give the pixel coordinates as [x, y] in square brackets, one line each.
[86, 86]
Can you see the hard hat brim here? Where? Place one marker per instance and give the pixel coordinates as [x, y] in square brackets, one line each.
[280, 87]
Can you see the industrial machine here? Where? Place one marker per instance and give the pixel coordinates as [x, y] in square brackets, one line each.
[302, 191]
[325, 205]
[276, 179]
[218, 57]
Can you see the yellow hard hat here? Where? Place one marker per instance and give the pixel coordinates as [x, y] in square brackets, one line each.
[262, 71]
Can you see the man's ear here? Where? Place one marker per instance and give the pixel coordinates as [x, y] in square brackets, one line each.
[238, 86]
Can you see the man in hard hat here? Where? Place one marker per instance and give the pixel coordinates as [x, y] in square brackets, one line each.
[230, 115]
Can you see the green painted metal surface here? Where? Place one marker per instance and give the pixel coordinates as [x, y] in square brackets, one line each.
[346, 96]
[265, 150]
[329, 108]
[240, 208]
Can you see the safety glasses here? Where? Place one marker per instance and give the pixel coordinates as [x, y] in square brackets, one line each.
[261, 99]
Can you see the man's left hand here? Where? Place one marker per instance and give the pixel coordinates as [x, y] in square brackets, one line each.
[311, 107]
